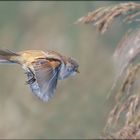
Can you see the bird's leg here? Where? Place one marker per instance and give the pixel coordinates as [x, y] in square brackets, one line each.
[30, 75]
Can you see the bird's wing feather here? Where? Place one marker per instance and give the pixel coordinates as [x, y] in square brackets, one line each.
[46, 75]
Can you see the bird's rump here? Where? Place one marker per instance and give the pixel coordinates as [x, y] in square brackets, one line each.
[44, 75]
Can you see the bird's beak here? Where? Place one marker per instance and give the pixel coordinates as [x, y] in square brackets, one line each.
[77, 71]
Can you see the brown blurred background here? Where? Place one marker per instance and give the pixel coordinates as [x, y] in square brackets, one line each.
[79, 109]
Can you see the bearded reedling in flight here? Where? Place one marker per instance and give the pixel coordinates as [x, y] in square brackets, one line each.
[43, 69]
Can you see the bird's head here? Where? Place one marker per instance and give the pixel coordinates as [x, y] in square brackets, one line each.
[69, 68]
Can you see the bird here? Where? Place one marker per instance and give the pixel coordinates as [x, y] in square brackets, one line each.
[43, 69]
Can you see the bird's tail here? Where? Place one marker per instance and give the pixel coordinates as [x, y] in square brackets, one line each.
[7, 56]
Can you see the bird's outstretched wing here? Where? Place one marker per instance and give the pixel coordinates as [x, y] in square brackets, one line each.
[43, 78]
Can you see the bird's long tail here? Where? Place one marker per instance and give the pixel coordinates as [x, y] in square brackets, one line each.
[7, 56]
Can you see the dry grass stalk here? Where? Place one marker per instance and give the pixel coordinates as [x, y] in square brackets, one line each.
[132, 17]
[103, 17]
[128, 132]
[125, 55]
[127, 107]
[131, 131]
[131, 127]
[128, 95]
[128, 82]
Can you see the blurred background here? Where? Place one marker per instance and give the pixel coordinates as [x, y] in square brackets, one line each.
[79, 109]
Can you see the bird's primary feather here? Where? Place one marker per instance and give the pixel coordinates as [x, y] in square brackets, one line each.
[46, 77]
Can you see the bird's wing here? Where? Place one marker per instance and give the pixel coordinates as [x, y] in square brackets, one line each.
[45, 75]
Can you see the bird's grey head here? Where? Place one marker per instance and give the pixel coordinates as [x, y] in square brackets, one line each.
[69, 68]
